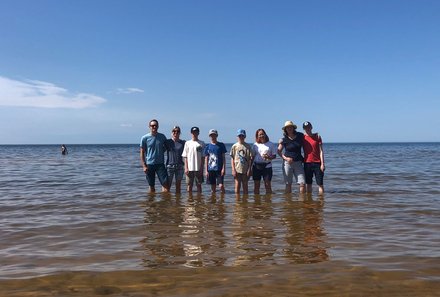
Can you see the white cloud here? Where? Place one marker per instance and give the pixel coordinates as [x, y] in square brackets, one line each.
[34, 93]
[128, 90]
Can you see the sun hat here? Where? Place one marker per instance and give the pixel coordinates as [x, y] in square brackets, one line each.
[195, 129]
[241, 132]
[287, 124]
[212, 131]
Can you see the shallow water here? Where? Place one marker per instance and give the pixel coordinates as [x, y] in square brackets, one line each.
[84, 224]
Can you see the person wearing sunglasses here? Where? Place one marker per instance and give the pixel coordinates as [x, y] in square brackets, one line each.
[152, 150]
[175, 165]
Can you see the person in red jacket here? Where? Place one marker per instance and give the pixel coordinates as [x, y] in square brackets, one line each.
[313, 158]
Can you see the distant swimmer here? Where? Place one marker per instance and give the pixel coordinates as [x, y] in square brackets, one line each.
[64, 150]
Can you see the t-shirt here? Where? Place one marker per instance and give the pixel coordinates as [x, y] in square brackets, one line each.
[292, 147]
[259, 149]
[242, 155]
[174, 151]
[154, 147]
[193, 152]
[215, 155]
[311, 148]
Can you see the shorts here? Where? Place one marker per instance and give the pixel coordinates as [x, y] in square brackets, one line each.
[311, 169]
[259, 172]
[175, 170]
[215, 177]
[295, 169]
[161, 172]
[194, 176]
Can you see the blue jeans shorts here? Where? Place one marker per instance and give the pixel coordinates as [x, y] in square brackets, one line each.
[175, 171]
[295, 169]
[161, 172]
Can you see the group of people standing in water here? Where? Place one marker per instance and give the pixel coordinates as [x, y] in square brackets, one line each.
[195, 160]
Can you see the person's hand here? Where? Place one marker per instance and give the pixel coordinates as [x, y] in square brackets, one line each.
[322, 167]
[145, 168]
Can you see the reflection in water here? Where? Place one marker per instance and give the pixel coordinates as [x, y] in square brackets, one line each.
[204, 231]
[305, 235]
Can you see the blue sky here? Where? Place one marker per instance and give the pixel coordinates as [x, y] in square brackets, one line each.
[98, 71]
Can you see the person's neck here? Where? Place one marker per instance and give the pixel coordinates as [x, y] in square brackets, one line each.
[195, 139]
[176, 139]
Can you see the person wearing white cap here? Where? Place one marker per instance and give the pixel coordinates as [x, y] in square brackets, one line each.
[241, 161]
[215, 162]
[289, 149]
[194, 161]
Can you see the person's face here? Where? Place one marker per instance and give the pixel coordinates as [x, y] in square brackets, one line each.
[289, 129]
[261, 137]
[154, 126]
[176, 133]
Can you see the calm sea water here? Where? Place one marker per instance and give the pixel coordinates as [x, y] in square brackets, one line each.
[84, 225]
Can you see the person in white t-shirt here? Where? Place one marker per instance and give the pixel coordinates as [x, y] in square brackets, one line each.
[194, 160]
[264, 151]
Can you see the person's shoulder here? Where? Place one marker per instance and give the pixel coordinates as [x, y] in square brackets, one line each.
[144, 137]
[222, 146]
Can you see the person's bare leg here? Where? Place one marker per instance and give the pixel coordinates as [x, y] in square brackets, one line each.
[268, 186]
[288, 188]
[256, 187]
[301, 188]
[321, 190]
[178, 186]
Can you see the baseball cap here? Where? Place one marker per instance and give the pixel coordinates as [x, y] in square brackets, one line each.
[241, 132]
[307, 124]
[195, 129]
[212, 131]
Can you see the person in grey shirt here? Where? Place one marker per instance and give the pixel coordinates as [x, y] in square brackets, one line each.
[175, 164]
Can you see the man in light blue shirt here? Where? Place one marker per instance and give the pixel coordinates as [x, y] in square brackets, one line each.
[152, 149]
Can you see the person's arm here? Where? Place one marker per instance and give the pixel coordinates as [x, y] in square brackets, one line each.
[143, 163]
[224, 165]
[206, 166]
[234, 172]
[321, 154]
[251, 162]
